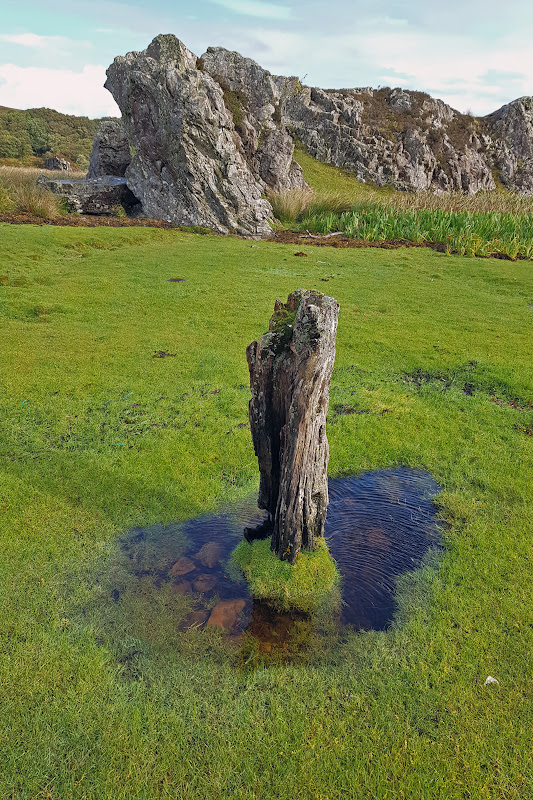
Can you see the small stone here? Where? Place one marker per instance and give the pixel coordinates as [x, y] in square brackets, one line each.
[182, 566]
[490, 679]
[225, 614]
[204, 583]
[185, 587]
[58, 164]
[195, 619]
[210, 554]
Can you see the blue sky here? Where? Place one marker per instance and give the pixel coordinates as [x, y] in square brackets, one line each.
[476, 54]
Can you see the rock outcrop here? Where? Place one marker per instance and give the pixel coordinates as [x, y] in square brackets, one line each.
[189, 164]
[391, 137]
[111, 151]
[290, 372]
[58, 164]
[203, 140]
[511, 129]
[254, 98]
[100, 196]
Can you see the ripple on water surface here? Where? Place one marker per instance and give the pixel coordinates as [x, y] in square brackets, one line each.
[379, 525]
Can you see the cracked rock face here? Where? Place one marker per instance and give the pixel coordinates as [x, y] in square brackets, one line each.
[391, 137]
[187, 164]
[512, 130]
[111, 151]
[255, 98]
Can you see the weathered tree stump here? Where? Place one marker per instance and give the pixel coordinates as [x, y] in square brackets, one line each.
[290, 373]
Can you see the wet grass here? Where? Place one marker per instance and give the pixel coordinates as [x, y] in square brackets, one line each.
[98, 436]
[305, 586]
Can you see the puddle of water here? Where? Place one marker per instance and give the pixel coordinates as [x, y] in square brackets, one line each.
[379, 525]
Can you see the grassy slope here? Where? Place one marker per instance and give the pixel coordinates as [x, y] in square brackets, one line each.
[36, 132]
[95, 705]
[481, 224]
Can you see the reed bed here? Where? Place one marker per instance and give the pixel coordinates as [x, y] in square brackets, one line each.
[465, 232]
[477, 225]
[481, 224]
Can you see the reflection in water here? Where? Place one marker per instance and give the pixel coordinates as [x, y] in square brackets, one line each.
[378, 526]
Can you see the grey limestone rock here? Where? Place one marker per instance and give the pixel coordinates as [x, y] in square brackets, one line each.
[203, 140]
[511, 130]
[188, 164]
[391, 137]
[101, 196]
[111, 151]
[254, 97]
[58, 164]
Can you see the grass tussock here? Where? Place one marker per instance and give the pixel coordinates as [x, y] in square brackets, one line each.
[290, 204]
[306, 585]
[20, 194]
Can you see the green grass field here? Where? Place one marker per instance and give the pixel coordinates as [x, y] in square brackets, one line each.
[103, 702]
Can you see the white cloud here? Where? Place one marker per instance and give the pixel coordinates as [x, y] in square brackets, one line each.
[35, 41]
[81, 93]
[453, 67]
[255, 8]
[464, 73]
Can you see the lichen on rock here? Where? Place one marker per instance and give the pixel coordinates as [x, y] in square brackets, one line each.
[187, 166]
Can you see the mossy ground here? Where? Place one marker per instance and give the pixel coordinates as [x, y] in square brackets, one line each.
[97, 436]
[306, 585]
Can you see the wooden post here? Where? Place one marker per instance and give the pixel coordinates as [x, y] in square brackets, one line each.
[290, 373]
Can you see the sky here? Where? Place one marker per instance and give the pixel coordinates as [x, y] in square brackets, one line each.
[475, 55]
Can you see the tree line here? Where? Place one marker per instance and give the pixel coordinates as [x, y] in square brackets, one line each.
[30, 136]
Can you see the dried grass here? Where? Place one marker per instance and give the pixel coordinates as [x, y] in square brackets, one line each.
[290, 204]
[19, 192]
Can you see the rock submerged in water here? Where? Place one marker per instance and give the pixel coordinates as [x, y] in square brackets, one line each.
[185, 587]
[204, 583]
[182, 566]
[194, 620]
[209, 554]
[226, 613]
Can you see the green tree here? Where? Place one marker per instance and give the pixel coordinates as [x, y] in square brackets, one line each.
[39, 135]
